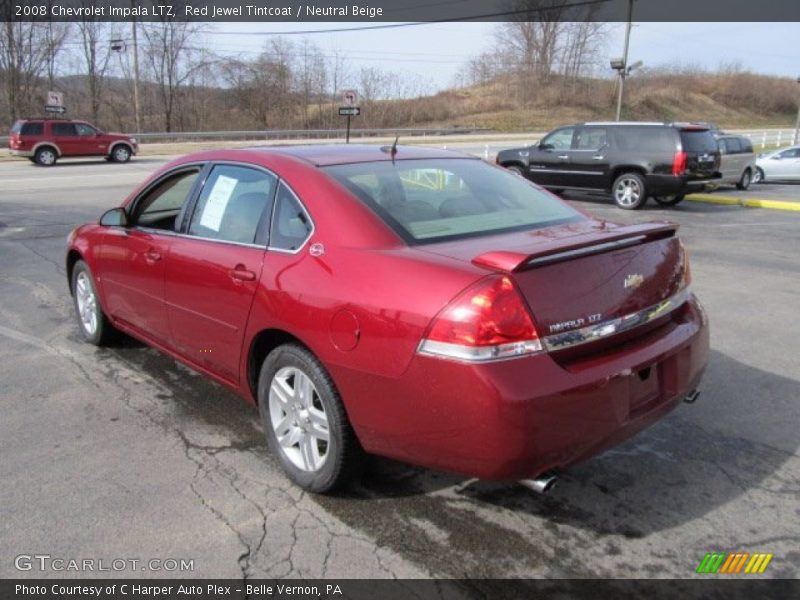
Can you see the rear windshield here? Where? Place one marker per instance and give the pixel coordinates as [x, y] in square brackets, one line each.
[698, 141]
[439, 199]
[646, 138]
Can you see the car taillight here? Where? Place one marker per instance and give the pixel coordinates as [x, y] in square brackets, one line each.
[488, 321]
[679, 163]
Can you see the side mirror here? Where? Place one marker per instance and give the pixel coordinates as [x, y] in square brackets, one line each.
[546, 147]
[116, 217]
[776, 157]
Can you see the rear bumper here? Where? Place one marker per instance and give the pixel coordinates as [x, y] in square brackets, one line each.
[20, 153]
[518, 418]
[667, 185]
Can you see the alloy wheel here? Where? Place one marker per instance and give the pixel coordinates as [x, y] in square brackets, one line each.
[87, 303]
[628, 192]
[299, 419]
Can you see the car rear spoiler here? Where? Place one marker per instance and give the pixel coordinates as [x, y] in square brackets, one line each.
[591, 242]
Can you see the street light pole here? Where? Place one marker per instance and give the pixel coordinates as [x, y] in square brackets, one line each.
[797, 123]
[136, 79]
[622, 71]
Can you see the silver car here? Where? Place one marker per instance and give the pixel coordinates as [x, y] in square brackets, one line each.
[783, 165]
[738, 161]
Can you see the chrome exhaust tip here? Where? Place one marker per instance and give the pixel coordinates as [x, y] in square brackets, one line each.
[692, 397]
[541, 484]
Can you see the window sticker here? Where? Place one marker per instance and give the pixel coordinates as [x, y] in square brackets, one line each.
[217, 202]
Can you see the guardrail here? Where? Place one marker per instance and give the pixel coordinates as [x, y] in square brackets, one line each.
[294, 134]
[761, 138]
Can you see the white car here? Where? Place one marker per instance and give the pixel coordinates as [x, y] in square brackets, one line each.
[783, 165]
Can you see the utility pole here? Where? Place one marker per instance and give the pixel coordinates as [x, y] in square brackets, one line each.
[136, 78]
[623, 70]
[797, 123]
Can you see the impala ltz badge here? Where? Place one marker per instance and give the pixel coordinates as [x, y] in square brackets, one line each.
[633, 281]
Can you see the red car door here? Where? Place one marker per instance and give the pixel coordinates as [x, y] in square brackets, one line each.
[90, 141]
[65, 136]
[213, 269]
[131, 260]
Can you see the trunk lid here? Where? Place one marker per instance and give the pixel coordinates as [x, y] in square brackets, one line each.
[583, 274]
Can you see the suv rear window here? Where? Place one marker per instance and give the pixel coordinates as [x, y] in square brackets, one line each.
[425, 201]
[28, 128]
[698, 140]
[645, 138]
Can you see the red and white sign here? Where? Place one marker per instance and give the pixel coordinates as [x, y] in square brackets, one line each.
[350, 97]
[55, 99]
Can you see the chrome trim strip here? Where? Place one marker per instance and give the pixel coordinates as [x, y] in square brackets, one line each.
[538, 170]
[479, 354]
[599, 331]
[188, 236]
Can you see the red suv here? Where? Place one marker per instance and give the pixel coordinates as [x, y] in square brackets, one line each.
[44, 141]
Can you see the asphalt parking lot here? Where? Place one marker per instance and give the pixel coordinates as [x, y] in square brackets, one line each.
[123, 453]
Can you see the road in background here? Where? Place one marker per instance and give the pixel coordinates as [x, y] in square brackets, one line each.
[122, 452]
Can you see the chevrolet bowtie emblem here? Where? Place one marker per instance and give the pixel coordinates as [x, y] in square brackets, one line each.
[633, 281]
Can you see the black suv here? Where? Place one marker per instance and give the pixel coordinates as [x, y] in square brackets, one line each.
[631, 161]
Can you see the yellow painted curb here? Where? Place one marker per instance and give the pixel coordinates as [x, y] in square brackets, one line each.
[746, 202]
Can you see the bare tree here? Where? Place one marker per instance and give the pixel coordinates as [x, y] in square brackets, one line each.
[55, 36]
[95, 40]
[171, 59]
[23, 54]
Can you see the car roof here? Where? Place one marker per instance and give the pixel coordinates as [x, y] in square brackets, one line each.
[322, 155]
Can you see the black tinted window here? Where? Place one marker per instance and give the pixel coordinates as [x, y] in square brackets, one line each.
[232, 204]
[64, 129]
[698, 141]
[646, 139]
[430, 200]
[32, 129]
[747, 145]
[84, 129]
[592, 138]
[733, 146]
[291, 226]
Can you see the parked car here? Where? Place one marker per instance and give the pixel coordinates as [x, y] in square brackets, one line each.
[737, 160]
[631, 161]
[44, 141]
[782, 165]
[407, 302]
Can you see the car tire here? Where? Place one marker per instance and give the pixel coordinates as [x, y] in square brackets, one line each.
[745, 181]
[45, 156]
[759, 177]
[669, 200]
[121, 153]
[516, 169]
[629, 191]
[94, 324]
[305, 422]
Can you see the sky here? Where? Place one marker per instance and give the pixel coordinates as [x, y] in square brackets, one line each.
[435, 52]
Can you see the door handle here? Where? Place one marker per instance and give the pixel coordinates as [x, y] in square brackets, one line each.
[598, 157]
[563, 156]
[240, 273]
[152, 256]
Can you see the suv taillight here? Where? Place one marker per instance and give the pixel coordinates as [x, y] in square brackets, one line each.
[679, 163]
[488, 321]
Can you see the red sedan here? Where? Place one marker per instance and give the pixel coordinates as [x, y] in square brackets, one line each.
[406, 302]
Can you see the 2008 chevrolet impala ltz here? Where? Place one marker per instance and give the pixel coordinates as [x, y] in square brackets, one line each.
[406, 302]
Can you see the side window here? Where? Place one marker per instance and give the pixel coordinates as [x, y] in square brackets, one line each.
[592, 138]
[291, 225]
[561, 139]
[64, 129]
[734, 147]
[32, 129]
[84, 129]
[790, 153]
[747, 145]
[233, 204]
[723, 146]
[159, 207]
